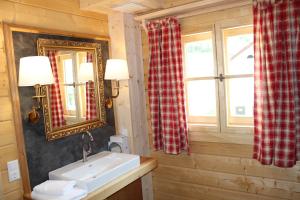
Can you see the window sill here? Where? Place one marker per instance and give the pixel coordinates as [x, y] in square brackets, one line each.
[230, 138]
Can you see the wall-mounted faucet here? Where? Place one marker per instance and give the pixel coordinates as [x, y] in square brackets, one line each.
[85, 151]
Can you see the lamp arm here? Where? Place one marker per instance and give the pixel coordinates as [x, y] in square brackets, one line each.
[118, 92]
[115, 96]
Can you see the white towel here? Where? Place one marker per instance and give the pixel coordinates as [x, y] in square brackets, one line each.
[74, 194]
[55, 187]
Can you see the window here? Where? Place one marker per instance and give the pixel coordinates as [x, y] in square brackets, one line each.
[200, 78]
[218, 73]
[69, 89]
[73, 93]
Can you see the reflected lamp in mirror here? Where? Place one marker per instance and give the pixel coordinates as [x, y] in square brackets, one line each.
[116, 70]
[86, 72]
[35, 71]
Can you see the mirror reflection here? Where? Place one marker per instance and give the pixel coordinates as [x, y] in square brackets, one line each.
[72, 97]
[75, 101]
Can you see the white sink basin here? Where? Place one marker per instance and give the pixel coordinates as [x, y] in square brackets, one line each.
[100, 169]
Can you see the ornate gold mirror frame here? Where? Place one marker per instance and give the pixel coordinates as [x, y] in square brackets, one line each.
[8, 29]
[55, 133]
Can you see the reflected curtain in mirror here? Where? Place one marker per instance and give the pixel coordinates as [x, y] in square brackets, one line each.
[75, 102]
[91, 112]
[57, 112]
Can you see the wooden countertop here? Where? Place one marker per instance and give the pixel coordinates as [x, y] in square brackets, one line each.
[147, 165]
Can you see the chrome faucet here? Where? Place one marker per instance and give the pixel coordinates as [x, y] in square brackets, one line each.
[86, 152]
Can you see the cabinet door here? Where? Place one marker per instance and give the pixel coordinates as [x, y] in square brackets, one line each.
[133, 191]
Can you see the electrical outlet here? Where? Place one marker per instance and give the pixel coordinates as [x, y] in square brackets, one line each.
[13, 170]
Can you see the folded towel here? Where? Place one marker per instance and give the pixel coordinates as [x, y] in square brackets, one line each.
[55, 187]
[74, 194]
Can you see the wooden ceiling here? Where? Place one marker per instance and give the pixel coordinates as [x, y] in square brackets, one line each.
[130, 6]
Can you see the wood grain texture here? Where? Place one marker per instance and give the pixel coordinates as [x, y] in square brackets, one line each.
[220, 167]
[158, 195]
[1, 37]
[63, 6]
[241, 183]
[7, 153]
[106, 6]
[5, 109]
[26, 14]
[147, 165]
[193, 9]
[130, 112]
[7, 133]
[172, 3]
[133, 191]
[2, 61]
[14, 195]
[197, 192]
[14, 98]
[223, 149]
[10, 186]
[62, 15]
[231, 165]
[221, 138]
[1, 187]
[4, 84]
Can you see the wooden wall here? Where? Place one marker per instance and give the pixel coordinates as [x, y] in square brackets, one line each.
[55, 14]
[219, 167]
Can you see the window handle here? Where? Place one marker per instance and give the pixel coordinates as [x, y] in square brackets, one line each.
[70, 84]
[221, 77]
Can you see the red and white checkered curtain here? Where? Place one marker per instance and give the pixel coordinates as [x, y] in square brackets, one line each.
[57, 110]
[91, 111]
[277, 82]
[165, 86]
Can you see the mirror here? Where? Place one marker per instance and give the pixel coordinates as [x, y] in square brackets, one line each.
[75, 102]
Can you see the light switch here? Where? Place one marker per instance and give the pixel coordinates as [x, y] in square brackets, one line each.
[13, 170]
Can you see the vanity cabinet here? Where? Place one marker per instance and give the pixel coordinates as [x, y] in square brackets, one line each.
[125, 187]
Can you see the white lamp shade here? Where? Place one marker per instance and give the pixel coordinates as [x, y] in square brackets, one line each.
[116, 69]
[86, 72]
[35, 70]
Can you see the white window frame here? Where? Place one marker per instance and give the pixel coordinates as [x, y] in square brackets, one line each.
[78, 114]
[193, 125]
[221, 114]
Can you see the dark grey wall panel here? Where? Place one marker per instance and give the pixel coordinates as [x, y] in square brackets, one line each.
[44, 156]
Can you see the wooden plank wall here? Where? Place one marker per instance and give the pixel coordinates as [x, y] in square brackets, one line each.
[55, 14]
[219, 168]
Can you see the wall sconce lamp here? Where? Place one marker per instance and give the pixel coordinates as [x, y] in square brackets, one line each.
[86, 73]
[116, 70]
[35, 71]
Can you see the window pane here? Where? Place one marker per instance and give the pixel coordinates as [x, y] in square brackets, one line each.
[240, 100]
[198, 56]
[68, 69]
[239, 50]
[201, 98]
[70, 98]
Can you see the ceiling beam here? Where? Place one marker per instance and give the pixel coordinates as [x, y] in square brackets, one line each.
[216, 8]
[194, 8]
[86, 4]
[103, 5]
[154, 4]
